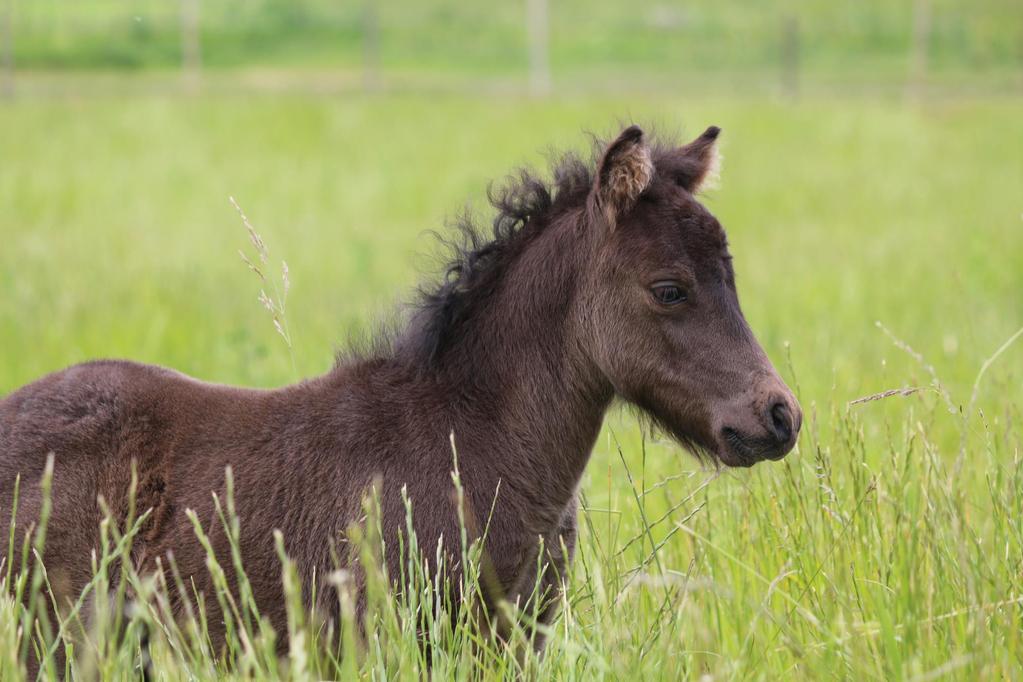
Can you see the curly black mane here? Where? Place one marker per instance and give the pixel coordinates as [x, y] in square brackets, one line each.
[525, 204]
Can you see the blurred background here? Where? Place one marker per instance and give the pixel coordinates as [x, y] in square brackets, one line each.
[539, 46]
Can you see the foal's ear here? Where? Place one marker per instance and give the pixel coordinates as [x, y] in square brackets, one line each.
[695, 166]
[624, 172]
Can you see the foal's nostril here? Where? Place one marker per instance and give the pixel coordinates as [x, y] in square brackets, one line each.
[781, 421]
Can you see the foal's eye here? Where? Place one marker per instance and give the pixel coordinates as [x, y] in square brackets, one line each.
[668, 293]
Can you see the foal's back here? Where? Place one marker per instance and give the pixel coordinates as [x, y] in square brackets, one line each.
[301, 457]
[102, 419]
[95, 417]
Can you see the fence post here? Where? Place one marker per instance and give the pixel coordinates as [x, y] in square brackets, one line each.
[918, 47]
[191, 55]
[537, 29]
[370, 46]
[790, 56]
[7, 49]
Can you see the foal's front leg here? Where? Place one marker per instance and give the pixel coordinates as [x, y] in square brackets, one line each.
[538, 594]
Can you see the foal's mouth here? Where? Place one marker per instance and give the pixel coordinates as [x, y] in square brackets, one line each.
[745, 451]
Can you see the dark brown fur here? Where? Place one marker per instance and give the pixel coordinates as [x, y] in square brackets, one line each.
[519, 352]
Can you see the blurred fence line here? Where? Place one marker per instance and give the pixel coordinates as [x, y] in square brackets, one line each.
[543, 44]
[191, 40]
[6, 48]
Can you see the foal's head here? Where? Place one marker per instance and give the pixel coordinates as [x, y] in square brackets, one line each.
[658, 306]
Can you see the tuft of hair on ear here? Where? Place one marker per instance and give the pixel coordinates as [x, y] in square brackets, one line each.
[625, 171]
[711, 178]
[697, 165]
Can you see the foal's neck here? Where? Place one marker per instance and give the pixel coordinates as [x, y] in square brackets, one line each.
[525, 369]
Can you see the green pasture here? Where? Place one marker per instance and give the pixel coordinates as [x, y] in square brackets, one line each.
[888, 546]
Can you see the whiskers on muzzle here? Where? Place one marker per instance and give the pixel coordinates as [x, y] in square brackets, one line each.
[752, 449]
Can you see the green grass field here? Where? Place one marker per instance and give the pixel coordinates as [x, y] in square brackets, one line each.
[888, 546]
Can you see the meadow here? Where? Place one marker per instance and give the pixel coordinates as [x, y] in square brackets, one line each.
[878, 244]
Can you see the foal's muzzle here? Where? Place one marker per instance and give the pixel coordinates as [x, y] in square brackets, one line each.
[771, 433]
